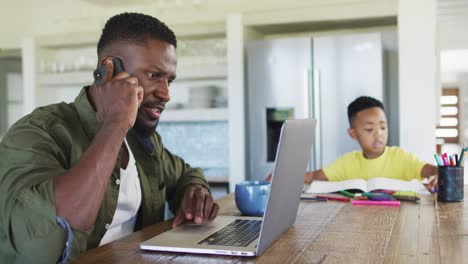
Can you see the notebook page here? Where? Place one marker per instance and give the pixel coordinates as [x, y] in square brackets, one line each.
[395, 185]
[330, 186]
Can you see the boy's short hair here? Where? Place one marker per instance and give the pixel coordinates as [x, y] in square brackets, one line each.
[362, 103]
[134, 28]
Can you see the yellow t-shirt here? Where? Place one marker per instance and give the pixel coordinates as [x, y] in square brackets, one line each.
[394, 163]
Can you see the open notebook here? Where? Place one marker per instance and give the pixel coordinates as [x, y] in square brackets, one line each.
[365, 186]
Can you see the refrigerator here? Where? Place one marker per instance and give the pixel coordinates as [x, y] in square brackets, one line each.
[308, 77]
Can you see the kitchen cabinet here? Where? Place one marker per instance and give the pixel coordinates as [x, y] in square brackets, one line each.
[61, 71]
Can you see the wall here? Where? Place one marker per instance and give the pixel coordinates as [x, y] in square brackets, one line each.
[204, 144]
[418, 76]
[55, 17]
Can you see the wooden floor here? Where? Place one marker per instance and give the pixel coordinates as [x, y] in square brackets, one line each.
[332, 232]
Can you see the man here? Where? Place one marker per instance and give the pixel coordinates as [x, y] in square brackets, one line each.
[79, 175]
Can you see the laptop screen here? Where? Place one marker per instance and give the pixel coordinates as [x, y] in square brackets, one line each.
[292, 157]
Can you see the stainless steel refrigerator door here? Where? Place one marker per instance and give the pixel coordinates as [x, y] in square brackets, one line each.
[279, 79]
[345, 67]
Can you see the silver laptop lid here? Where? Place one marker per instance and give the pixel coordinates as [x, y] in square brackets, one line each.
[293, 154]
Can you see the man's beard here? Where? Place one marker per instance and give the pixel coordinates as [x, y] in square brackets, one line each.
[142, 130]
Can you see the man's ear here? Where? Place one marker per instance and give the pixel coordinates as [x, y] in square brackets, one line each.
[352, 133]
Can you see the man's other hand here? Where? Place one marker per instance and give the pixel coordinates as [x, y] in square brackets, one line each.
[197, 205]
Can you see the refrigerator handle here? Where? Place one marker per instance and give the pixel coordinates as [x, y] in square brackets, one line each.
[316, 107]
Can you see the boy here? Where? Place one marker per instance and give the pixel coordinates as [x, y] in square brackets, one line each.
[368, 125]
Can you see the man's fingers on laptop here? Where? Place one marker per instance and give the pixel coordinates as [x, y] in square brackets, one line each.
[187, 202]
[199, 203]
[214, 212]
[268, 178]
[179, 218]
[207, 208]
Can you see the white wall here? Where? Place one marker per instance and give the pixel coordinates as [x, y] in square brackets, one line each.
[236, 91]
[36, 18]
[28, 58]
[418, 76]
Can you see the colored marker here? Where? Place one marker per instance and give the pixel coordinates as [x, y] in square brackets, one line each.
[444, 159]
[389, 192]
[384, 203]
[436, 157]
[348, 194]
[333, 198]
[406, 198]
[384, 197]
[368, 194]
[407, 193]
[452, 163]
[462, 156]
[314, 199]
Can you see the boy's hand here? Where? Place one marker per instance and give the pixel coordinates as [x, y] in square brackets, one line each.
[432, 184]
[309, 177]
[429, 172]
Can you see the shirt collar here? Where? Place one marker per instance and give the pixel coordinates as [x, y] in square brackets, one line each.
[87, 113]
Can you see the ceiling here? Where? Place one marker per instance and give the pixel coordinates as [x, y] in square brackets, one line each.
[452, 16]
[449, 10]
[160, 3]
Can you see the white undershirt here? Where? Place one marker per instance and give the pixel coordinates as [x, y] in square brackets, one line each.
[128, 203]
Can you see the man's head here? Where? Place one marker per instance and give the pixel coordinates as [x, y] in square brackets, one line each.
[368, 125]
[146, 47]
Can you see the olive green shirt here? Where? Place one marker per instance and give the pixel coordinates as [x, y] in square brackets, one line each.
[47, 143]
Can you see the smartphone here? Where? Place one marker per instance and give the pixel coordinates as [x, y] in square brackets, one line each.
[100, 72]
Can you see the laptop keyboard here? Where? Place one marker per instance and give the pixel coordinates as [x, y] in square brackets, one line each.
[239, 233]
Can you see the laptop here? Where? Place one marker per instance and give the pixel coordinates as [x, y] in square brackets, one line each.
[251, 236]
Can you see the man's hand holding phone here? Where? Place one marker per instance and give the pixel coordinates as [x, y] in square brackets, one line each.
[118, 97]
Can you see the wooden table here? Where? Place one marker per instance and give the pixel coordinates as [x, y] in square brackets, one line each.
[331, 232]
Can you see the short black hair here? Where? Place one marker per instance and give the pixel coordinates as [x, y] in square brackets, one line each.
[134, 28]
[362, 103]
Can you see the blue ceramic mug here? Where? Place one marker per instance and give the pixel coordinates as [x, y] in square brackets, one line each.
[251, 197]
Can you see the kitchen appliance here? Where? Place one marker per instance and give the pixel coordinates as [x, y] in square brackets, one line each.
[308, 77]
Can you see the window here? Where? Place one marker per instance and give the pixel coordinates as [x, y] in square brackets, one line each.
[448, 128]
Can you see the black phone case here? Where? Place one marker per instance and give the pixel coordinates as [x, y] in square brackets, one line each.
[100, 72]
